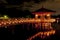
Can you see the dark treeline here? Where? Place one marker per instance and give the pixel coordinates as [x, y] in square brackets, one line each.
[17, 2]
[13, 12]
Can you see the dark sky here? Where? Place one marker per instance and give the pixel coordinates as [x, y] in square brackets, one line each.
[32, 5]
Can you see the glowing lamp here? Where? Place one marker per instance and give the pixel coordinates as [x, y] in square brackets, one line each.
[48, 14]
[5, 16]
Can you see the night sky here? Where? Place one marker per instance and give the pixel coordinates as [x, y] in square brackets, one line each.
[16, 7]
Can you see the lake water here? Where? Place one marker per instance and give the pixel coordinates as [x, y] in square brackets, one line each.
[24, 31]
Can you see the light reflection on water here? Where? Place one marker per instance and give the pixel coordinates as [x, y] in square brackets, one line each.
[24, 31]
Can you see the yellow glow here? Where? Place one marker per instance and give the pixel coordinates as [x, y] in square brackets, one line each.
[42, 34]
[5, 16]
[48, 14]
[36, 15]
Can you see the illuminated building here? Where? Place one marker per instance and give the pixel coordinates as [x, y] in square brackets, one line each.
[45, 23]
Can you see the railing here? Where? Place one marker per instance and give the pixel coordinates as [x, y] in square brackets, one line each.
[14, 21]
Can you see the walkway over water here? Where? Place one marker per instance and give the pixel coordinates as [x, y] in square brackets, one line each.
[15, 21]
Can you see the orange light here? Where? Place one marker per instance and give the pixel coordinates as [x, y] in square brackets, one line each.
[36, 16]
[47, 33]
[43, 34]
[48, 14]
[9, 23]
[0, 24]
[13, 22]
[4, 23]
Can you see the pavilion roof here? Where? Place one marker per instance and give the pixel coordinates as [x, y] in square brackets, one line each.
[42, 10]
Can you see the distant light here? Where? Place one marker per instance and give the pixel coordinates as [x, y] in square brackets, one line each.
[36, 15]
[48, 14]
[5, 16]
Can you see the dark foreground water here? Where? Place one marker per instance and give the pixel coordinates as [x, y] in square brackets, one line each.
[21, 32]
